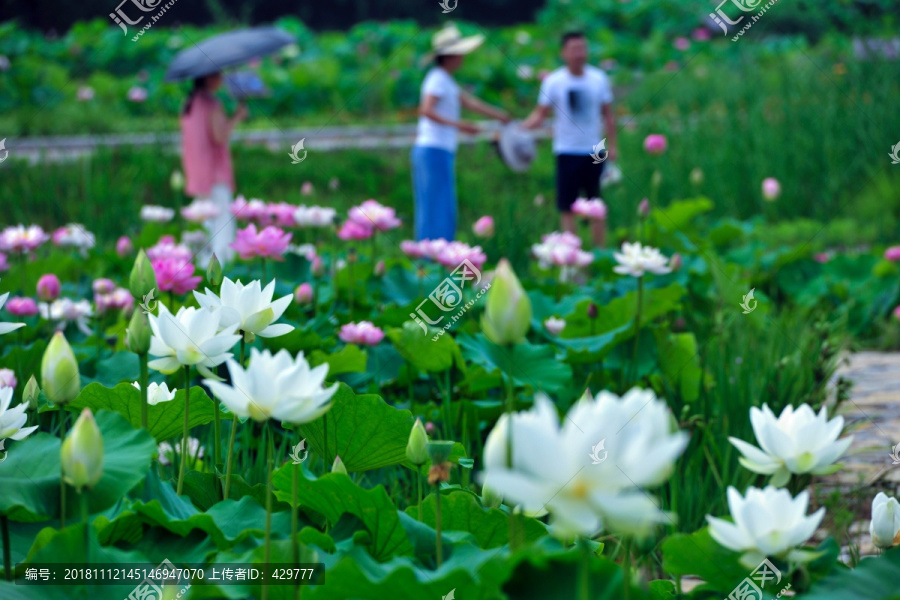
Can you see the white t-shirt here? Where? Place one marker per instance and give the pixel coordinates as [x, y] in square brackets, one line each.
[439, 83]
[576, 103]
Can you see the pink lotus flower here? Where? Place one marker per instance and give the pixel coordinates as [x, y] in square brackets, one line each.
[48, 287]
[412, 249]
[822, 257]
[124, 247]
[682, 43]
[166, 248]
[103, 286]
[271, 242]
[22, 307]
[200, 211]
[314, 216]
[175, 275]
[455, 253]
[562, 249]
[655, 143]
[771, 189]
[700, 34]
[317, 267]
[892, 253]
[85, 93]
[303, 294]
[307, 188]
[644, 208]
[484, 227]
[7, 378]
[137, 94]
[254, 210]
[363, 334]
[351, 230]
[282, 214]
[897, 313]
[74, 235]
[373, 214]
[379, 268]
[117, 299]
[22, 239]
[592, 209]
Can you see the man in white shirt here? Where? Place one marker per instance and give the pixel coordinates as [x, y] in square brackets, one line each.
[581, 98]
[434, 153]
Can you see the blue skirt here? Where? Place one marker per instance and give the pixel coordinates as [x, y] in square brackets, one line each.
[434, 188]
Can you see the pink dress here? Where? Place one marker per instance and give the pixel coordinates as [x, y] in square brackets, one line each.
[206, 163]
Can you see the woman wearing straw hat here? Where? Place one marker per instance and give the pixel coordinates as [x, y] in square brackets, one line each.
[434, 153]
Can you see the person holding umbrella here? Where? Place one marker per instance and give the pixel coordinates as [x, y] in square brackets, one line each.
[434, 153]
[206, 158]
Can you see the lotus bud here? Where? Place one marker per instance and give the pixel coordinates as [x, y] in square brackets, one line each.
[656, 179]
[592, 311]
[697, 176]
[379, 268]
[644, 209]
[507, 312]
[317, 267]
[59, 371]
[771, 189]
[143, 278]
[675, 262]
[176, 181]
[885, 525]
[338, 466]
[48, 287]
[429, 427]
[7, 378]
[124, 247]
[214, 272]
[81, 454]
[31, 393]
[137, 336]
[417, 447]
[303, 294]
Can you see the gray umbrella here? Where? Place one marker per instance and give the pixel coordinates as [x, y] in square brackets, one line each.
[226, 50]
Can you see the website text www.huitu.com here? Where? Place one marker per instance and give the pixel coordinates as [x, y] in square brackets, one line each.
[754, 19]
[154, 19]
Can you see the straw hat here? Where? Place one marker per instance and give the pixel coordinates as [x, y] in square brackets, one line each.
[449, 41]
[516, 146]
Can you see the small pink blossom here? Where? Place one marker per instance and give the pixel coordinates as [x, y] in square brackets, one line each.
[455, 253]
[644, 208]
[307, 188]
[318, 266]
[22, 239]
[166, 248]
[200, 211]
[897, 313]
[282, 214]
[85, 93]
[7, 378]
[771, 189]
[351, 230]
[303, 294]
[124, 247]
[271, 242]
[592, 209]
[412, 249]
[137, 94]
[254, 210]
[562, 249]
[379, 268]
[682, 43]
[371, 213]
[655, 143]
[48, 287]
[175, 275]
[117, 299]
[22, 307]
[700, 34]
[363, 334]
[484, 227]
[822, 257]
[892, 253]
[103, 286]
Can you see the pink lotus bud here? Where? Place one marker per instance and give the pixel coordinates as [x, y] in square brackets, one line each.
[48, 287]
[307, 188]
[771, 189]
[897, 313]
[7, 378]
[379, 268]
[22, 307]
[655, 143]
[821, 257]
[682, 43]
[104, 286]
[429, 426]
[644, 208]
[892, 253]
[303, 294]
[484, 227]
[124, 247]
[592, 311]
[675, 262]
[318, 267]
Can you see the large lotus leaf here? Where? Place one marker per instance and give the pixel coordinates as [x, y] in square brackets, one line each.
[678, 215]
[621, 312]
[698, 554]
[535, 366]
[461, 511]
[427, 355]
[117, 367]
[349, 359]
[31, 473]
[164, 420]
[874, 578]
[334, 494]
[365, 431]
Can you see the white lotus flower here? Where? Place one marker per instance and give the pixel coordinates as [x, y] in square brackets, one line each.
[798, 441]
[275, 387]
[635, 260]
[156, 214]
[587, 473]
[314, 216]
[190, 337]
[7, 327]
[66, 310]
[248, 307]
[554, 326]
[885, 525]
[157, 392]
[12, 419]
[767, 522]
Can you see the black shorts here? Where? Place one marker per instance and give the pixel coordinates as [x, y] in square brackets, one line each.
[576, 176]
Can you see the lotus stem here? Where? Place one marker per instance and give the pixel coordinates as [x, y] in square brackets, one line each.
[7, 557]
[264, 282]
[145, 376]
[185, 430]
[437, 525]
[87, 532]
[637, 332]
[62, 482]
[295, 506]
[584, 572]
[234, 425]
[448, 404]
[419, 479]
[626, 570]
[270, 452]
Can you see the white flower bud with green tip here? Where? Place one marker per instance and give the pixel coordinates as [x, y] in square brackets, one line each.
[60, 378]
[507, 311]
[81, 453]
[885, 525]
